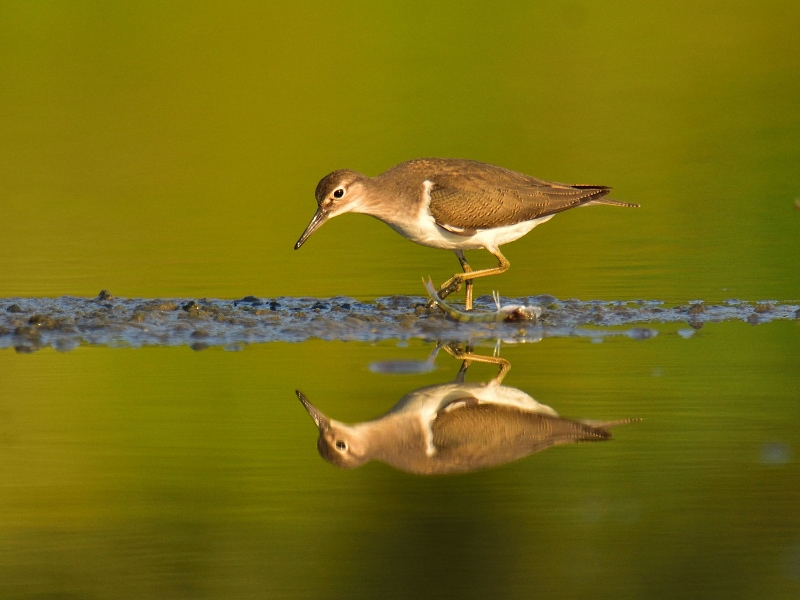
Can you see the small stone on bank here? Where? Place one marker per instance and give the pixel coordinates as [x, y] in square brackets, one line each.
[696, 309]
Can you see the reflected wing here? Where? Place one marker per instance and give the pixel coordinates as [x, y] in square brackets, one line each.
[469, 436]
[493, 197]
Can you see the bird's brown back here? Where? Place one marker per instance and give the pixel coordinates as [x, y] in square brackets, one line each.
[474, 436]
[470, 195]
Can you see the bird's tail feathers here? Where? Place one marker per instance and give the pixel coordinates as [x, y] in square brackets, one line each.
[608, 424]
[611, 202]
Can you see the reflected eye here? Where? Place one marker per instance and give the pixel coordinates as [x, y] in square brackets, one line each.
[340, 445]
[338, 193]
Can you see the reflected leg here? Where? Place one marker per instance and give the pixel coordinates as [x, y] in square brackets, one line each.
[469, 357]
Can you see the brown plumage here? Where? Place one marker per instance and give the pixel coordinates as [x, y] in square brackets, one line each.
[453, 204]
[453, 428]
[475, 436]
[471, 195]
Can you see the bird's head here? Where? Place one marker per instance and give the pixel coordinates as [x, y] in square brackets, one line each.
[338, 443]
[340, 192]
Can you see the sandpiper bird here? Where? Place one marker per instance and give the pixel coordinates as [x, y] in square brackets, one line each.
[453, 428]
[453, 204]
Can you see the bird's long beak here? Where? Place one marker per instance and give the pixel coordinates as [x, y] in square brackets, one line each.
[322, 422]
[319, 218]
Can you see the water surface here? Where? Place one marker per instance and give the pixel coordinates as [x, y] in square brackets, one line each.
[173, 473]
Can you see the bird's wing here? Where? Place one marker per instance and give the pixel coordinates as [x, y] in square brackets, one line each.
[469, 436]
[495, 197]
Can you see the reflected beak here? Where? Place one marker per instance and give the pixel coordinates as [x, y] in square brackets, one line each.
[321, 420]
[319, 218]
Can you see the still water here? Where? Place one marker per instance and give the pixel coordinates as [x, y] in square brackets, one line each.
[165, 472]
[171, 150]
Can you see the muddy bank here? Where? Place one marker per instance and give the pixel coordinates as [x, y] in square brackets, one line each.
[28, 324]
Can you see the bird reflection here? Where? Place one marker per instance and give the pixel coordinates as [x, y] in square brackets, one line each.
[454, 427]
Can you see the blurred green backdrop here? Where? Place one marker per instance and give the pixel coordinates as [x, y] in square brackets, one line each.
[172, 148]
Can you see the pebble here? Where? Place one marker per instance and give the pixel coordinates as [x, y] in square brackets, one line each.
[28, 331]
[43, 321]
[157, 305]
[696, 309]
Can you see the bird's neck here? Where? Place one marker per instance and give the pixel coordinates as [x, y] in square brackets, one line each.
[395, 439]
[390, 202]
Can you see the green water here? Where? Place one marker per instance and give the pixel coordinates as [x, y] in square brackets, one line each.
[172, 149]
[165, 472]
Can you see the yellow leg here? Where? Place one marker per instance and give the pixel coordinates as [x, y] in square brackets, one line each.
[467, 269]
[454, 283]
[468, 357]
[451, 285]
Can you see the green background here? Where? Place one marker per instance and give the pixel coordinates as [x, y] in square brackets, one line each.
[172, 148]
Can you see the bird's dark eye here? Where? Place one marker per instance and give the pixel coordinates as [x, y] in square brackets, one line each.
[340, 445]
[338, 193]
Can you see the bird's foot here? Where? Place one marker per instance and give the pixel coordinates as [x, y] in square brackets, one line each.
[450, 286]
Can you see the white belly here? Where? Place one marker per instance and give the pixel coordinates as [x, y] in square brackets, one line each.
[425, 231]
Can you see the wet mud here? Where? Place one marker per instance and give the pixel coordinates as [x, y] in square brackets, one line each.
[28, 324]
